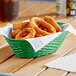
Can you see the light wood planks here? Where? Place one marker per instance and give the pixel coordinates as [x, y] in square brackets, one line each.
[13, 64]
[64, 19]
[38, 63]
[24, 5]
[37, 8]
[33, 66]
[53, 72]
[73, 22]
[28, 6]
[5, 53]
[2, 40]
[47, 10]
[50, 11]
[72, 74]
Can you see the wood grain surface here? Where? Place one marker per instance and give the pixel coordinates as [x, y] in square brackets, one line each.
[9, 63]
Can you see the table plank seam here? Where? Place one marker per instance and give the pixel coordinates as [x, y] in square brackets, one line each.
[7, 58]
[22, 66]
[41, 71]
[59, 57]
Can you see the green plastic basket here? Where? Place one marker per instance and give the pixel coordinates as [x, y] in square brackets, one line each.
[23, 48]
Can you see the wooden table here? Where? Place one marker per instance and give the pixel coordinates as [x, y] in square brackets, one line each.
[9, 63]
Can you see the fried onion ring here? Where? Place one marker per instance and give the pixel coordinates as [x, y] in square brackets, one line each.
[15, 33]
[26, 33]
[36, 22]
[51, 21]
[38, 35]
[20, 25]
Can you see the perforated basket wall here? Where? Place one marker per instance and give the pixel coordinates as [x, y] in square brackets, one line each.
[23, 48]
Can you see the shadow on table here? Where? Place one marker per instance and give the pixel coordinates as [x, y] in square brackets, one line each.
[43, 59]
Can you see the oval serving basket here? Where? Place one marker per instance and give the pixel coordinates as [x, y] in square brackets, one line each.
[23, 48]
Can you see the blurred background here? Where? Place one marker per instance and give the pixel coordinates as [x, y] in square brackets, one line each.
[42, 0]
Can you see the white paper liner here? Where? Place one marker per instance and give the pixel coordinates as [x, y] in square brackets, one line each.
[67, 63]
[68, 27]
[38, 43]
[6, 30]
